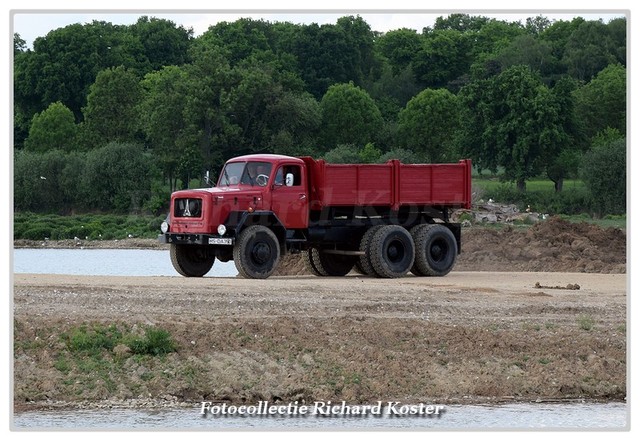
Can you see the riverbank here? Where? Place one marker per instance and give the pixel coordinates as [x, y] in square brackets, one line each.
[470, 337]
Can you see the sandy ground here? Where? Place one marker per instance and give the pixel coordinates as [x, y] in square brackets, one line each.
[466, 337]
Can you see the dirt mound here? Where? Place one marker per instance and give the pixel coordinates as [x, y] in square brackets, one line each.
[553, 245]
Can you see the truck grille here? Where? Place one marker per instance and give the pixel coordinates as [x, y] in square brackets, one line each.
[187, 208]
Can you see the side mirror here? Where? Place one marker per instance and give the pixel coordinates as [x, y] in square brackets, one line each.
[207, 179]
[289, 180]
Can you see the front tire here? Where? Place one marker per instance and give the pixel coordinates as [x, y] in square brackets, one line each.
[257, 252]
[191, 260]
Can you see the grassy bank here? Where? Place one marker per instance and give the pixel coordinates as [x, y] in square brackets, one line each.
[33, 226]
[310, 359]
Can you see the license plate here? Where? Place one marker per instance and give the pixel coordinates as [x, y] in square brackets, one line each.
[220, 241]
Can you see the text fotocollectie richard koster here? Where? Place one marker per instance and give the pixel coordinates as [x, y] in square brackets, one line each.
[321, 408]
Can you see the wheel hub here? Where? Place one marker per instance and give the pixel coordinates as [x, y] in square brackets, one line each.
[395, 252]
[261, 253]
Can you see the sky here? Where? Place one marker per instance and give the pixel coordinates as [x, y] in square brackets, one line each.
[31, 24]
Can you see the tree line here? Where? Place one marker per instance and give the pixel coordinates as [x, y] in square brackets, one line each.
[110, 117]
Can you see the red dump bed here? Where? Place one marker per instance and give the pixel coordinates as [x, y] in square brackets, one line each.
[392, 184]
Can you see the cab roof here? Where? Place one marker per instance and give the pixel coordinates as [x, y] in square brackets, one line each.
[264, 157]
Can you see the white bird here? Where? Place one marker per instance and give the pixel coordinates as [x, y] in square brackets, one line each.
[42, 177]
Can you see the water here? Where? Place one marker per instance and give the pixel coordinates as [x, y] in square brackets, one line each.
[610, 416]
[104, 262]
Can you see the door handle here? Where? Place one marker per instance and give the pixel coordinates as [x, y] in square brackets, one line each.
[303, 196]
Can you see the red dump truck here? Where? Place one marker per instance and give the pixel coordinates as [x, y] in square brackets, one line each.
[383, 220]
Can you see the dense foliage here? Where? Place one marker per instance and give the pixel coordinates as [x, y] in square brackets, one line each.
[112, 118]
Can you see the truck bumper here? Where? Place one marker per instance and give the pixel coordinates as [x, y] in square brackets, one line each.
[195, 239]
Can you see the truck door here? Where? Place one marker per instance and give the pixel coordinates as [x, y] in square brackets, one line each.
[289, 200]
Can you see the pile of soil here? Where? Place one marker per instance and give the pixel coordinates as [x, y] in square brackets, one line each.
[553, 245]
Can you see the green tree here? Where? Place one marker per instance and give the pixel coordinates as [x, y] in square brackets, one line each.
[530, 51]
[604, 174]
[330, 54]
[47, 182]
[294, 120]
[428, 124]
[511, 120]
[461, 22]
[162, 109]
[116, 177]
[602, 102]
[618, 31]
[444, 56]
[207, 112]
[370, 154]
[239, 39]
[537, 25]
[163, 43]
[557, 35]
[572, 141]
[405, 156]
[111, 113]
[494, 36]
[589, 49]
[343, 154]
[52, 129]
[19, 45]
[349, 116]
[253, 90]
[65, 62]
[399, 47]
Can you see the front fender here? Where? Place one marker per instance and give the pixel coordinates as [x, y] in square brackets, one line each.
[264, 218]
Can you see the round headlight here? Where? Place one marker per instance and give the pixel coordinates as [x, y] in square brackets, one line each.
[164, 227]
[222, 229]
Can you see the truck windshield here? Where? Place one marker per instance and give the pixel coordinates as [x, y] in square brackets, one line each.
[246, 173]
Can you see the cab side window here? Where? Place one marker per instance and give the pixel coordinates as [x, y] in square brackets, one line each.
[289, 170]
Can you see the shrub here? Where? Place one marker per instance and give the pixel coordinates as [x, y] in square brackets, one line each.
[155, 341]
[38, 232]
[96, 338]
[604, 173]
[93, 339]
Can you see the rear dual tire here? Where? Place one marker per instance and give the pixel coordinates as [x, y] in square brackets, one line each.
[323, 263]
[436, 250]
[391, 251]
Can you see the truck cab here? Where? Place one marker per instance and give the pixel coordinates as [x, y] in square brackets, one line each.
[253, 190]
